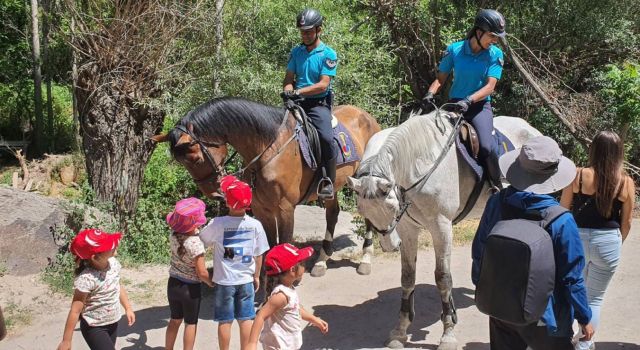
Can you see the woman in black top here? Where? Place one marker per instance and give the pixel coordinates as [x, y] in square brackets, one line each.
[601, 199]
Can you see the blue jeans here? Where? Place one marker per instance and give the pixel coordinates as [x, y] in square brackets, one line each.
[233, 302]
[602, 254]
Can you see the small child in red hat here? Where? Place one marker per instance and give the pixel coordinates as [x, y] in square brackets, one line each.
[238, 242]
[187, 270]
[281, 314]
[98, 292]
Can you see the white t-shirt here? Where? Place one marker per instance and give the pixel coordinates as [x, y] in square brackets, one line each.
[184, 268]
[102, 306]
[236, 240]
[282, 330]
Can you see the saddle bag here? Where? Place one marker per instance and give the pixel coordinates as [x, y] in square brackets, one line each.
[517, 271]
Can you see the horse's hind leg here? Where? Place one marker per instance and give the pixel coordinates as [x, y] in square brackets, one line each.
[367, 250]
[441, 232]
[408, 255]
[332, 209]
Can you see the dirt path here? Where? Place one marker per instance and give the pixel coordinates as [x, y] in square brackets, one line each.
[360, 310]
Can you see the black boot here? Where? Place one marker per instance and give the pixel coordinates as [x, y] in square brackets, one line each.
[493, 171]
[325, 187]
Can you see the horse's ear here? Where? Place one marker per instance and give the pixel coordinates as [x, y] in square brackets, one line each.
[160, 138]
[354, 183]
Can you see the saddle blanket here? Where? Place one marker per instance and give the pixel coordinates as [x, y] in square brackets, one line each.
[342, 140]
[501, 146]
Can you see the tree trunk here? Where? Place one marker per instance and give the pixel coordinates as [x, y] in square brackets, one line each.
[116, 132]
[218, 48]
[37, 79]
[46, 5]
[74, 82]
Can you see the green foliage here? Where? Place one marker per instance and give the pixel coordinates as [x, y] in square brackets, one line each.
[620, 91]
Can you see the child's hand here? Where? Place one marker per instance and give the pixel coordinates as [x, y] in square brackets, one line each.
[256, 283]
[64, 345]
[321, 324]
[131, 316]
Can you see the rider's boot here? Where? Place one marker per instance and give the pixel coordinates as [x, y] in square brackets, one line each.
[493, 171]
[325, 187]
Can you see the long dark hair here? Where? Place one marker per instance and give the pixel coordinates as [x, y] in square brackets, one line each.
[606, 155]
[180, 237]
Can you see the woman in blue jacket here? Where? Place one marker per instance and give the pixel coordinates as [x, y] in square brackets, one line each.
[476, 63]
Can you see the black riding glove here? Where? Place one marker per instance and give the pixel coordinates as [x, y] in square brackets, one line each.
[463, 105]
[428, 101]
[290, 94]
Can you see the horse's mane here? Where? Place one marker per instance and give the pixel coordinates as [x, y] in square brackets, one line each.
[220, 118]
[408, 152]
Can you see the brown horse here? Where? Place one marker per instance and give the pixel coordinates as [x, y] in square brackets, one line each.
[265, 138]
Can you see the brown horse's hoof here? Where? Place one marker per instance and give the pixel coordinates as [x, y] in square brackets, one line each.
[364, 269]
[318, 271]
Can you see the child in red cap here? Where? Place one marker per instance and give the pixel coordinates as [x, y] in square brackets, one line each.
[187, 270]
[282, 312]
[238, 241]
[98, 291]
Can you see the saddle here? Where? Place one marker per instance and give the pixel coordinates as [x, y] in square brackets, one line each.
[469, 138]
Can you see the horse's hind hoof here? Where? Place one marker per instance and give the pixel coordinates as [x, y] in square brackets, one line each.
[364, 269]
[318, 271]
[395, 344]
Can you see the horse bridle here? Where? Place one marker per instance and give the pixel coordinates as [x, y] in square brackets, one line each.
[218, 170]
[401, 192]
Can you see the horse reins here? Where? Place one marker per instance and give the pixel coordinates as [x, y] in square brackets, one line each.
[404, 203]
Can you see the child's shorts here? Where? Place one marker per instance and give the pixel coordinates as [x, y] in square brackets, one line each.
[184, 300]
[233, 302]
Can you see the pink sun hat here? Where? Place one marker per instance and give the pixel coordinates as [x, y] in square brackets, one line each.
[187, 216]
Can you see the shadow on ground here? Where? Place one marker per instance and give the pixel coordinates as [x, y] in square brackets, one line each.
[599, 346]
[367, 325]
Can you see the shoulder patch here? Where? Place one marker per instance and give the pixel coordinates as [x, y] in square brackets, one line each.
[501, 62]
[331, 63]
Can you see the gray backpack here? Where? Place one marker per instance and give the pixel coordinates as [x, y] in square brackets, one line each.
[517, 272]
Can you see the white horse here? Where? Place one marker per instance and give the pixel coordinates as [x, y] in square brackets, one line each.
[398, 160]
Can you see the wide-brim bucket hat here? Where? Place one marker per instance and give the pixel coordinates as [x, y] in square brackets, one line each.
[538, 167]
[187, 216]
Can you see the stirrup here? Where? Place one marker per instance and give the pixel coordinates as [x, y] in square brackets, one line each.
[322, 192]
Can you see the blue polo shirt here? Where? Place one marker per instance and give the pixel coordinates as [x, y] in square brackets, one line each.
[471, 70]
[309, 66]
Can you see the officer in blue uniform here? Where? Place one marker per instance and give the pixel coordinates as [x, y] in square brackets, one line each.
[312, 65]
[477, 66]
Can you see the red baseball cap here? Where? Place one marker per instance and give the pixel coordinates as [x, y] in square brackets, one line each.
[285, 256]
[90, 242]
[237, 193]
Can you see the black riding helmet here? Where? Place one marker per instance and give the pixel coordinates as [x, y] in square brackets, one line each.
[309, 18]
[491, 21]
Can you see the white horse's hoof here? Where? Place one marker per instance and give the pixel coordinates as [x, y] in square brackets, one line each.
[364, 269]
[448, 344]
[318, 270]
[395, 344]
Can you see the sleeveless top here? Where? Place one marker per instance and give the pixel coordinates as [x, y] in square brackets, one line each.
[586, 212]
[282, 330]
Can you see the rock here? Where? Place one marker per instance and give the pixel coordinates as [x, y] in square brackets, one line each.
[26, 243]
[67, 174]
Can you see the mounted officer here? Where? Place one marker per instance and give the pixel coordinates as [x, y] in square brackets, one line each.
[477, 65]
[312, 65]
